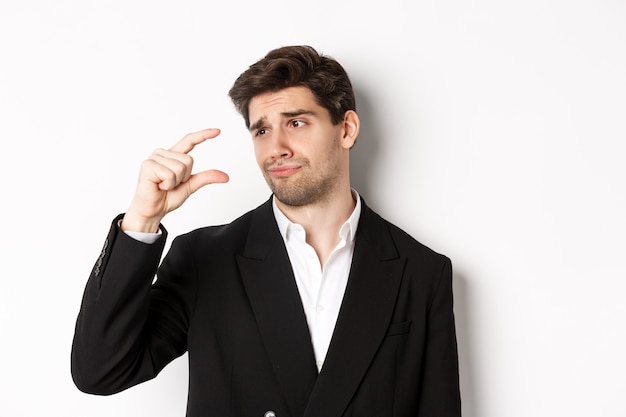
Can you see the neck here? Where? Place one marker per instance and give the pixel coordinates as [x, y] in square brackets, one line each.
[322, 221]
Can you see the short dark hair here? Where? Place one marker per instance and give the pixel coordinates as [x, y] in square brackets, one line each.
[296, 66]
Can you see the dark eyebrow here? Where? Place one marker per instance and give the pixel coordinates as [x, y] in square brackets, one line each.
[297, 113]
[257, 124]
[286, 115]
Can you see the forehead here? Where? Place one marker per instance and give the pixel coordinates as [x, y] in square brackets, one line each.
[281, 101]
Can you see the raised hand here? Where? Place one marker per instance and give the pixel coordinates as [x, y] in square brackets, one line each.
[166, 181]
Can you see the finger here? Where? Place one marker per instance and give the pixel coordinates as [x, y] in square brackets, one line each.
[179, 163]
[160, 175]
[211, 176]
[187, 143]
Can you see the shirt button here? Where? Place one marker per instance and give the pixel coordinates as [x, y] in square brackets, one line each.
[320, 308]
[269, 414]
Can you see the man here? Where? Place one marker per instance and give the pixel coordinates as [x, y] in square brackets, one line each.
[309, 305]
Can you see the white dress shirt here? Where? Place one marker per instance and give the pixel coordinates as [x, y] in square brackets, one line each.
[321, 288]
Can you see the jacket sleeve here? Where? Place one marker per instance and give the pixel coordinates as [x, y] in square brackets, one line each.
[125, 331]
[440, 394]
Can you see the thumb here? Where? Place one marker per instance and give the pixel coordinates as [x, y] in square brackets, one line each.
[200, 179]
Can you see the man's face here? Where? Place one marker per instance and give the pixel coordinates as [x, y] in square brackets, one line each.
[303, 156]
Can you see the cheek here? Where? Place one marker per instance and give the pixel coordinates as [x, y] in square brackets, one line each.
[260, 153]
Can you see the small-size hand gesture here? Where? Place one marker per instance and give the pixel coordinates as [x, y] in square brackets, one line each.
[166, 181]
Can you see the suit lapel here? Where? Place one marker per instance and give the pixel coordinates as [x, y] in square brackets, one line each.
[268, 278]
[364, 317]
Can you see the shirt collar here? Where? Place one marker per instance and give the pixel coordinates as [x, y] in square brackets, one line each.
[347, 232]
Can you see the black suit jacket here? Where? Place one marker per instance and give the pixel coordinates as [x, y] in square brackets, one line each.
[227, 296]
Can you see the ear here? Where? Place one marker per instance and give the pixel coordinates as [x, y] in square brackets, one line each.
[351, 125]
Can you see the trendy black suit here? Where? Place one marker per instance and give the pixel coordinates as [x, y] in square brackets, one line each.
[227, 295]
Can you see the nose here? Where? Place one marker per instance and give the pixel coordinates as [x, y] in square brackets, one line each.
[280, 145]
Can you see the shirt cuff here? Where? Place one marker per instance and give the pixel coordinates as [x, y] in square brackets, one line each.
[142, 236]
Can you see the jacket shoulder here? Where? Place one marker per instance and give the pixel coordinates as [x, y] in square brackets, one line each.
[225, 236]
[404, 243]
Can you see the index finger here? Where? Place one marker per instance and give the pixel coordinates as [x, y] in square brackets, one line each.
[187, 143]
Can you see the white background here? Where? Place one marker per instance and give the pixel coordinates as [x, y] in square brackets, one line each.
[492, 131]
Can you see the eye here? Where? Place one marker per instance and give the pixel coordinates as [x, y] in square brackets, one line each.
[260, 132]
[297, 123]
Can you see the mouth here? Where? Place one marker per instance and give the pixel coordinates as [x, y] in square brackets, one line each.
[283, 170]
